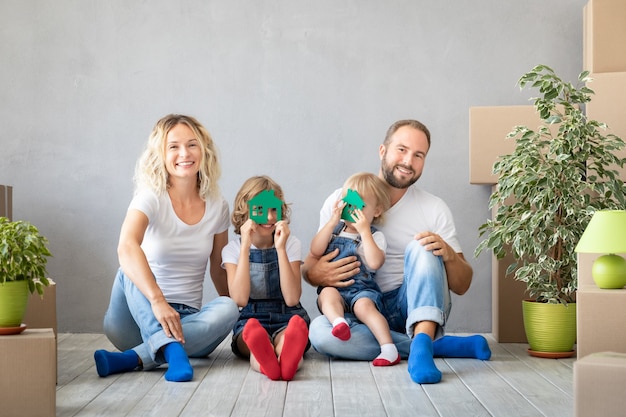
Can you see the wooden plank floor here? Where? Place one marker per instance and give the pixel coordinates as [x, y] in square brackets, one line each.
[511, 384]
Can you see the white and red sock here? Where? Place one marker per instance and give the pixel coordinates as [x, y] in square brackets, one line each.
[388, 355]
[341, 329]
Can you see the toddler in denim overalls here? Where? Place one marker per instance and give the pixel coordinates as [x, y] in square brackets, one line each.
[364, 284]
[358, 238]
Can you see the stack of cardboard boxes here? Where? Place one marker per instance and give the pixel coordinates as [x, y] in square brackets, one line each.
[600, 371]
[28, 361]
[488, 129]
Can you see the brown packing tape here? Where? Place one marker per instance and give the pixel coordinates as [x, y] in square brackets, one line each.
[3, 202]
[10, 203]
[6, 201]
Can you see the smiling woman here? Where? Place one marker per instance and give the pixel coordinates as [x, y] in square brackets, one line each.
[182, 153]
[175, 225]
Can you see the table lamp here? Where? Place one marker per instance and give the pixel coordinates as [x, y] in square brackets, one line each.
[606, 234]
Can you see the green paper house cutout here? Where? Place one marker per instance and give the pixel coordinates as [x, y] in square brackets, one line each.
[353, 201]
[262, 203]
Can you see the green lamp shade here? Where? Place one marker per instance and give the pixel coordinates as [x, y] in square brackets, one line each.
[606, 233]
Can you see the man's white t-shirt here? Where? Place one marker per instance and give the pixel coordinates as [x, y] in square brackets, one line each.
[178, 253]
[417, 211]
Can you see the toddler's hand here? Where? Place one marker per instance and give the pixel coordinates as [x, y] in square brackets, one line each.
[337, 209]
[361, 224]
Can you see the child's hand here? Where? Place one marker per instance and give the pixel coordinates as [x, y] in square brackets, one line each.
[336, 213]
[281, 234]
[362, 225]
[246, 231]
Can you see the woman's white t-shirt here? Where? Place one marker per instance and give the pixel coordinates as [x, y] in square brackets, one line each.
[178, 253]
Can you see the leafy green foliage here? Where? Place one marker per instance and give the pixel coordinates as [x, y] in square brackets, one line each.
[23, 254]
[550, 186]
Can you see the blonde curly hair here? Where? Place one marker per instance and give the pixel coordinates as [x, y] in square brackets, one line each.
[251, 188]
[150, 170]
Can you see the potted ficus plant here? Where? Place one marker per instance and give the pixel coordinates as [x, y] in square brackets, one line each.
[547, 190]
[23, 257]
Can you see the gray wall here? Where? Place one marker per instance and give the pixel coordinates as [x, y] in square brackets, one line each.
[300, 90]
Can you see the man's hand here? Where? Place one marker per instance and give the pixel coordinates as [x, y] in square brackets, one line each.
[458, 270]
[434, 243]
[328, 273]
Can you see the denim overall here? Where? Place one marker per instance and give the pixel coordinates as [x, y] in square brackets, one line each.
[266, 303]
[364, 284]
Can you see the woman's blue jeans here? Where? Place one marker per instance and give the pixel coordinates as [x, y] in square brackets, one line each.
[423, 296]
[129, 323]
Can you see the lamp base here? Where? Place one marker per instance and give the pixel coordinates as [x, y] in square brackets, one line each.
[609, 272]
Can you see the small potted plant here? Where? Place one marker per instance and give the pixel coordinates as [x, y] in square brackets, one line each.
[547, 190]
[23, 257]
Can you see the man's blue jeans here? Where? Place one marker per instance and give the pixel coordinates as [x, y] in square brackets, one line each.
[423, 296]
[129, 323]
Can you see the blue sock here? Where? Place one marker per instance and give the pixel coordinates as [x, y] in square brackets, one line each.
[421, 364]
[475, 347]
[180, 369]
[108, 363]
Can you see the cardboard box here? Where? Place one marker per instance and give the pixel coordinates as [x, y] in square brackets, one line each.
[488, 129]
[585, 262]
[28, 376]
[41, 313]
[600, 320]
[604, 33]
[507, 321]
[6, 201]
[608, 103]
[599, 381]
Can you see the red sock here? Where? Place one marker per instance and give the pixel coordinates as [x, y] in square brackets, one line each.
[260, 346]
[341, 331]
[296, 339]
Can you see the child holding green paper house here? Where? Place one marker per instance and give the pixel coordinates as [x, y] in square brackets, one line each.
[365, 199]
[263, 270]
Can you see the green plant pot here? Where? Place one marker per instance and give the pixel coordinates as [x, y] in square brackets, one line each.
[13, 300]
[550, 328]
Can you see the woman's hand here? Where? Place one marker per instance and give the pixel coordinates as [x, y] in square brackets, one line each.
[169, 319]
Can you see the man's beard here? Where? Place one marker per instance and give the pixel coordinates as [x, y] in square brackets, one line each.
[388, 172]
